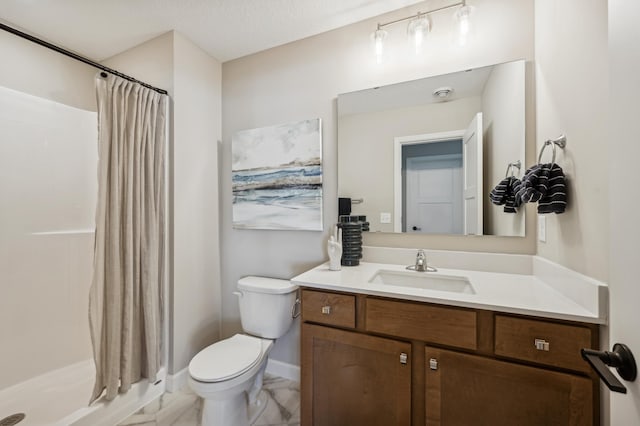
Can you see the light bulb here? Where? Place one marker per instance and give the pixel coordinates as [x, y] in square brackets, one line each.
[417, 31]
[378, 37]
[462, 15]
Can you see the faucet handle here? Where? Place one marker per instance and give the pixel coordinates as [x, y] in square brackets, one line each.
[421, 261]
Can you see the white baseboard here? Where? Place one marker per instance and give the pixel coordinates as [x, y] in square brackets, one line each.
[283, 369]
[178, 380]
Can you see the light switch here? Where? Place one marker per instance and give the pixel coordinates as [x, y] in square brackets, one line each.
[385, 217]
[542, 228]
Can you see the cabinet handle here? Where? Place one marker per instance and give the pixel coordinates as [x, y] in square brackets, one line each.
[403, 358]
[433, 364]
[326, 310]
[541, 345]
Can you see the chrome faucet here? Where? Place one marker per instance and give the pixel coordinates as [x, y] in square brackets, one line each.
[421, 263]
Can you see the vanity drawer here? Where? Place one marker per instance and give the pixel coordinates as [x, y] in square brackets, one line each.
[557, 345]
[419, 321]
[329, 308]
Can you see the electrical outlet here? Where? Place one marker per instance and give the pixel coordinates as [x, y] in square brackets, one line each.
[385, 217]
[542, 228]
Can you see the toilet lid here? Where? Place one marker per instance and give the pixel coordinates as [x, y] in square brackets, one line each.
[226, 359]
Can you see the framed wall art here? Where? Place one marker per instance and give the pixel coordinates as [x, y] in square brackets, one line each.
[277, 177]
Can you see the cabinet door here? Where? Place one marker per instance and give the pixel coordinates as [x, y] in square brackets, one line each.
[351, 379]
[464, 389]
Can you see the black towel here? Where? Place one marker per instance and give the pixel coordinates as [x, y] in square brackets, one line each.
[544, 184]
[504, 194]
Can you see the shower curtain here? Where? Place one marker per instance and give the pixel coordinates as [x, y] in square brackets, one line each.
[126, 291]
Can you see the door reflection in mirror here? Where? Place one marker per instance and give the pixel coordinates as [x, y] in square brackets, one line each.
[441, 178]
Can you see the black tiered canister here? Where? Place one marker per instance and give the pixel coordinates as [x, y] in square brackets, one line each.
[352, 227]
[365, 224]
[351, 243]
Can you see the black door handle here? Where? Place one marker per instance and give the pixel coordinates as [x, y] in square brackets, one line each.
[621, 359]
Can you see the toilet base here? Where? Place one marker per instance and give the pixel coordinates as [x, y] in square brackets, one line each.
[257, 406]
[237, 401]
[232, 411]
[239, 404]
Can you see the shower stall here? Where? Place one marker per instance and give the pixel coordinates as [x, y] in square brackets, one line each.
[48, 195]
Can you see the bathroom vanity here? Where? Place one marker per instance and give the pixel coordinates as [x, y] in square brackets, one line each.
[403, 350]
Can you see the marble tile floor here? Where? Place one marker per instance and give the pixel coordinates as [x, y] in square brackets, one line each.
[182, 408]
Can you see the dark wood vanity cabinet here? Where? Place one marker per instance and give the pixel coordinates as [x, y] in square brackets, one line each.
[379, 361]
[464, 389]
[350, 378]
[355, 379]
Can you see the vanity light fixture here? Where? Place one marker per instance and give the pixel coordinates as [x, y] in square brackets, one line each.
[419, 26]
[417, 30]
[464, 23]
[378, 37]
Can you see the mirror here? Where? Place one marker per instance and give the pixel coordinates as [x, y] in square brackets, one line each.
[422, 156]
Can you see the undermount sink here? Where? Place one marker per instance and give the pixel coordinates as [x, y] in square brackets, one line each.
[425, 280]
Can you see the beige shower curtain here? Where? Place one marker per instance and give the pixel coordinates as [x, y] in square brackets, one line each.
[126, 291]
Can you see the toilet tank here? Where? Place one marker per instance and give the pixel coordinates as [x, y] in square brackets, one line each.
[266, 306]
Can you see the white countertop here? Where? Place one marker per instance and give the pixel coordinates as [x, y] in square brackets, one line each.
[502, 292]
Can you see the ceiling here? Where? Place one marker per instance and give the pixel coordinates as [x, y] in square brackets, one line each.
[226, 29]
[464, 84]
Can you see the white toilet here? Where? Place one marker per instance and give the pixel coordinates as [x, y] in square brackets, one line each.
[228, 374]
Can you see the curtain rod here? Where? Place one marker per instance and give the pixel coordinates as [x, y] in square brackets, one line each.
[76, 57]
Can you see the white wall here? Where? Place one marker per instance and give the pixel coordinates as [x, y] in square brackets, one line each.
[371, 136]
[151, 62]
[48, 155]
[572, 98]
[197, 115]
[504, 140]
[301, 80]
[192, 78]
[624, 110]
[36, 70]
[48, 188]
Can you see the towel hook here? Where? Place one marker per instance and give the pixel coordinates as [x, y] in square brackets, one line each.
[561, 141]
[511, 166]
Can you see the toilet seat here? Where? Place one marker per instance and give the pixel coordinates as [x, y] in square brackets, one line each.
[226, 359]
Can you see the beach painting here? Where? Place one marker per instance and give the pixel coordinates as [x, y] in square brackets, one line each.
[277, 177]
